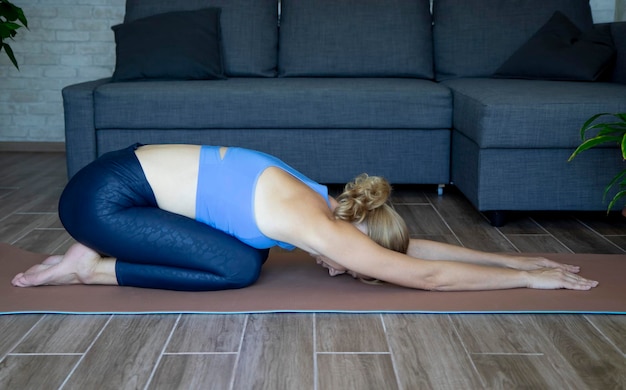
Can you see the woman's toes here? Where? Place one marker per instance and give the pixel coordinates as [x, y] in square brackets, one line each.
[17, 280]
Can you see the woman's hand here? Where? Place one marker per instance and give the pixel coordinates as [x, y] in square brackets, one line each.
[556, 278]
[532, 263]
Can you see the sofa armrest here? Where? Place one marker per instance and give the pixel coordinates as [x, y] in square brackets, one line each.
[618, 32]
[80, 129]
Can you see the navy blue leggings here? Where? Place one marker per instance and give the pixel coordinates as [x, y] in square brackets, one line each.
[109, 206]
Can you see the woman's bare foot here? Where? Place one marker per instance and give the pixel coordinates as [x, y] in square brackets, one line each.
[80, 265]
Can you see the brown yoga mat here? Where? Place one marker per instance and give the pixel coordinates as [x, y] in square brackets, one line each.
[292, 282]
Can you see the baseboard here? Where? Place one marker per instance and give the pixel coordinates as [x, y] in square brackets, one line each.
[32, 146]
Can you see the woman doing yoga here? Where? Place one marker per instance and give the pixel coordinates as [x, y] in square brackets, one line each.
[189, 217]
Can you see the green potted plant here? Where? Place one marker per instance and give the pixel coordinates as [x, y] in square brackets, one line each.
[612, 131]
[11, 19]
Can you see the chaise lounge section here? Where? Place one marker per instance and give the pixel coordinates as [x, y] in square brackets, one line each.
[512, 137]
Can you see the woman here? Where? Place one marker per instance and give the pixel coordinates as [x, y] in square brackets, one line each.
[189, 217]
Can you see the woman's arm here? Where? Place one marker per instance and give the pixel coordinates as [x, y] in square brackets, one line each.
[454, 276]
[288, 211]
[432, 250]
[344, 244]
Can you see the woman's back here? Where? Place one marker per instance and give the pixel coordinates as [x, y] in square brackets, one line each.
[172, 172]
[245, 193]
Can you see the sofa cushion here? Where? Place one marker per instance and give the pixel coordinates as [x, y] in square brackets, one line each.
[147, 49]
[561, 51]
[505, 113]
[472, 38]
[249, 30]
[307, 103]
[345, 38]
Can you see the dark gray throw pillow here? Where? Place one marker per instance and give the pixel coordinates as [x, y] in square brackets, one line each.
[175, 45]
[560, 51]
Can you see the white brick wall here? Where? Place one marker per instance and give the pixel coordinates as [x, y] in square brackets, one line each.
[603, 10]
[620, 10]
[70, 41]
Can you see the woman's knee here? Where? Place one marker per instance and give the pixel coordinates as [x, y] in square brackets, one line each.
[81, 212]
[73, 211]
[246, 269]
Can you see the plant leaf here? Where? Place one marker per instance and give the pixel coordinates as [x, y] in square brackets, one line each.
[621, 175]
[9, 51]
[11, 26]
[8, 11]
[7, 30]
[21, 17]
[617, 197]
[609, 125]
[588, 123]
[604, 128]
[12, 13]
[611, 131]
[592, 142]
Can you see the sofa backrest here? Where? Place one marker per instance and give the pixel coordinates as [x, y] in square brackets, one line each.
[249, 30]
[368, 38]
[472, 38]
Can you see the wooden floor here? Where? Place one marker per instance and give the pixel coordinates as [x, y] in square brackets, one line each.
[313, 351]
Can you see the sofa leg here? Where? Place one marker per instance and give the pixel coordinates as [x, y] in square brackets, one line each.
[440, 188]
[497, 218]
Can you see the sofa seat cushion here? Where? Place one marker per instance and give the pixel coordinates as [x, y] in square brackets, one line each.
[249, 30]
[473, 38]
[305, 103]
[502, 113]
[365, 38]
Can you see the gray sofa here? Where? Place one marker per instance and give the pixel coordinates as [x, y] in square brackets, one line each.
[388, 87]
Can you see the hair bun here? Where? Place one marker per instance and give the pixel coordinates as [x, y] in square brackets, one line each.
[362, 195]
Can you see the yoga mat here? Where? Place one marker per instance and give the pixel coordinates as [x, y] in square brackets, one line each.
[292, 282]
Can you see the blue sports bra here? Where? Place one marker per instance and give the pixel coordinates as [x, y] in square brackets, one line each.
[226, 187]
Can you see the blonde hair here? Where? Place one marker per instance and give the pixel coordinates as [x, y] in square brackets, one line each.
[366, 199]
